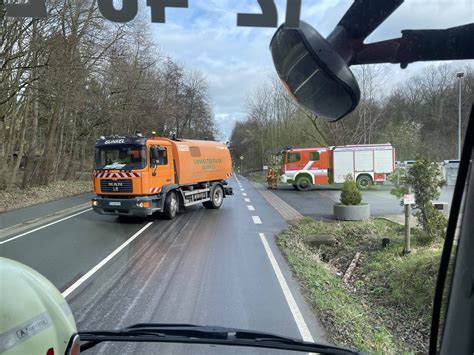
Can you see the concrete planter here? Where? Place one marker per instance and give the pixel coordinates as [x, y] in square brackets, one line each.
[352, 213]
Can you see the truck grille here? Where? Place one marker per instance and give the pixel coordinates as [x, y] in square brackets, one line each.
[116, 185]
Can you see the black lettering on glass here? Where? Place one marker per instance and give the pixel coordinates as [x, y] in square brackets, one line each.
[127, 13]
[33, 8]
[158, 8]
[268, 17]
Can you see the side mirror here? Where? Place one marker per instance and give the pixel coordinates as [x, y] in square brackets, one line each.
[313, 72]
[154, 154]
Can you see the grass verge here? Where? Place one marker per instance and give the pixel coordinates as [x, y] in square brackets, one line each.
[385, 306]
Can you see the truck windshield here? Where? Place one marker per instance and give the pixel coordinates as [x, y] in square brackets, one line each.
[120, 157]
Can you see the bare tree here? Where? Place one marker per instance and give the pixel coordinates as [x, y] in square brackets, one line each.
[72, 76]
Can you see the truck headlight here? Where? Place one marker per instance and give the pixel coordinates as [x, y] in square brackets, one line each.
[95, 203]
[143, 204]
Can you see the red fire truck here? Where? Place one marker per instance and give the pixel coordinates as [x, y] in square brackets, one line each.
[367, 164]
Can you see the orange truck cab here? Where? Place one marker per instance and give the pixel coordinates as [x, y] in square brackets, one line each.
[138, 176]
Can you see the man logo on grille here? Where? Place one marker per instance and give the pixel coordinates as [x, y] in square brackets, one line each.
[115, 184]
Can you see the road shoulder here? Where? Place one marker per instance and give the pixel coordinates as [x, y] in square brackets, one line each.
[33, 214]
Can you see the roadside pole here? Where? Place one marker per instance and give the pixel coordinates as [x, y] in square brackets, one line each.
[408, 199]
[241, 161]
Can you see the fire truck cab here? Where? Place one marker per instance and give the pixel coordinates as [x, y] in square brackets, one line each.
[305, 167]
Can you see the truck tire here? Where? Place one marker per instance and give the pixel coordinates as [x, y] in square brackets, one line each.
[217, 197]
[171, 206]
[364, 182]
[303, 183]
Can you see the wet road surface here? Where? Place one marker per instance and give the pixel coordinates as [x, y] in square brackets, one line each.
[206, 267]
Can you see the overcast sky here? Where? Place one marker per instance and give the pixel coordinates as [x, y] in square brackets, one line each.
[237, 59]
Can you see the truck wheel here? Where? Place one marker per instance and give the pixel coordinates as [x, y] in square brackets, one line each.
[171, 206]
[303, 183]
[364, 182]
[217, 197]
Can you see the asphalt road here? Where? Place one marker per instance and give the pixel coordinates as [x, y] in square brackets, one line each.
[318, 203]
[24, 215]
[207, 267]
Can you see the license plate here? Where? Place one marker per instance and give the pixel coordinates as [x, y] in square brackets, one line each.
[115, 203]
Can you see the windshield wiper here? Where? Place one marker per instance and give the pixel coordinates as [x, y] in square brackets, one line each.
[124, 167]
[194, 334]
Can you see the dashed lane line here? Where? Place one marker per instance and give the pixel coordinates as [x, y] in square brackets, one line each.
[295, 311]
[244, 194]
[246, 199]
[250, 208]
[256, 220]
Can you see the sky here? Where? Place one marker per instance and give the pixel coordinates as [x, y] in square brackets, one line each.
[236, 60]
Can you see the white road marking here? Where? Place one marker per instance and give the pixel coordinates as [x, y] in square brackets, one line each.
[295, 311]
[45, 226]
[256, 220]
[242, 189]
[92, 271]
[244, 194]
[246, 199]
[251, 208]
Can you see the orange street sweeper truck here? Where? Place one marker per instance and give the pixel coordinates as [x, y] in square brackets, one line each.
[138, 176]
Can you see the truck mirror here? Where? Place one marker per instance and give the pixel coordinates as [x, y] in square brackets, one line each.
[154, 153]
[313, 72]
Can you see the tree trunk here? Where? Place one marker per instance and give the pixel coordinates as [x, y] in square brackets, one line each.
[28, 177]
[50, 148]
[16, 166]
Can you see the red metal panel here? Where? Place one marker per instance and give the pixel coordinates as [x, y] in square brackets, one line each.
[379, 177]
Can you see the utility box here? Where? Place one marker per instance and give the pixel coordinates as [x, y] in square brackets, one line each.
[451, 168]
[443, 207]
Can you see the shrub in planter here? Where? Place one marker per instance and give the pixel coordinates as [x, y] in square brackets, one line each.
[350, 195]
[351, 207]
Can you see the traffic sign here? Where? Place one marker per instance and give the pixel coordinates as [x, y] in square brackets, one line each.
[408, 199]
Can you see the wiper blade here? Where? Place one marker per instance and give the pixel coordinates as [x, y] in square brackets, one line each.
[194, 334]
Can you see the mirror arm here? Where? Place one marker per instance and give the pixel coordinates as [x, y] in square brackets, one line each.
[419, 45]
[365, 16]
[377, 52]
[342, 42]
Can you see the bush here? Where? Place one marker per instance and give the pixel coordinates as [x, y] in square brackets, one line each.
[433, 223]
[350, 195]
[424, 177]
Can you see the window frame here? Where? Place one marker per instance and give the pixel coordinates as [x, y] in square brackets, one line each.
[295, 153]
[166, 150]
[318, 156]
